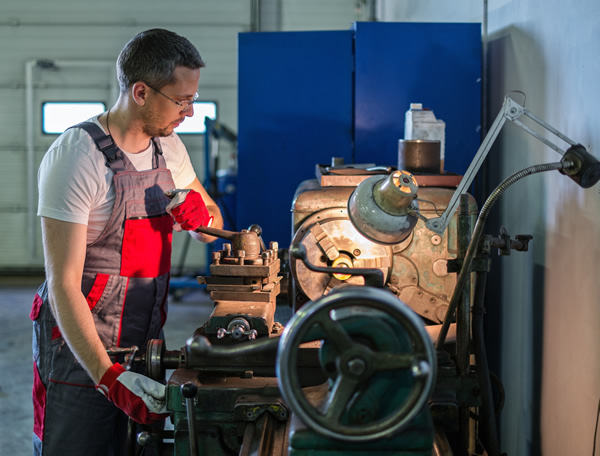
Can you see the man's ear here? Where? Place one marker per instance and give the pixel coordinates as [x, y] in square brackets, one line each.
[139, 92]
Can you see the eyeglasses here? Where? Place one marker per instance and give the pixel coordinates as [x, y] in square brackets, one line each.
[184, 105]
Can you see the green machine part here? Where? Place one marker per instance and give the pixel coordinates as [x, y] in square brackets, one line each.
[350, 375]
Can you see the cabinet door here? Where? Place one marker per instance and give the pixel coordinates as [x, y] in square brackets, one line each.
[295, 110]
[436, 64]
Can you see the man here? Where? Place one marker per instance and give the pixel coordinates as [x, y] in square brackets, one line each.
[107, 227]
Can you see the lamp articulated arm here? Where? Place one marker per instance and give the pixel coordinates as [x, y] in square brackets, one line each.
[585, 169]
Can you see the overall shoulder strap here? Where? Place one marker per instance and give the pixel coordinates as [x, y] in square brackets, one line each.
[158, 160]
[105, 144]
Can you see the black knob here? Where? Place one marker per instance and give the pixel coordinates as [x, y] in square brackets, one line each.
[189, 390]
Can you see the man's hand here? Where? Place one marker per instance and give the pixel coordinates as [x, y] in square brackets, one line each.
[140, 397]
[188, 209]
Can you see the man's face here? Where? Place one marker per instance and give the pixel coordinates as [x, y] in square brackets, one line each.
[163, 114]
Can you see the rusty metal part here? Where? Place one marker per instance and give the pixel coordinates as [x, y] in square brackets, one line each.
[339, 232]
[265, 435]
[424, 303]
[419, 155]
[244, 284]
[423, 180]
[228, 315]
[245, 240]
[434, 331]
[420, 260]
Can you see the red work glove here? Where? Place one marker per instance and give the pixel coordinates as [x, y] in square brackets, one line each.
[138, 396]
[188, 209]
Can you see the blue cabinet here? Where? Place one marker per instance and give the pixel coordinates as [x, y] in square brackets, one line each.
[438, 65]
[305, 97]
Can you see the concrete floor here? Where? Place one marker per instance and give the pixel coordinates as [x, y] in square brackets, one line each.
[16, 371]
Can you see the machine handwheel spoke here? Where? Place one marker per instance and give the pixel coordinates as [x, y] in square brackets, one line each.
[335, 333]
[393, 361]
[341, 393]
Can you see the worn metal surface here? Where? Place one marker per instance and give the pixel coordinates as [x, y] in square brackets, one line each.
[333, 227]
[244, 284]
[415, 269]
[237, 408]
[419, 155]
[383, 208]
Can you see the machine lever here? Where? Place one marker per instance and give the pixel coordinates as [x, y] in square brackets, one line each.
[189, 391]
[373, 276]
[201, 346]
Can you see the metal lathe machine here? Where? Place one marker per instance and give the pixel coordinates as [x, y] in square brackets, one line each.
[383, 353]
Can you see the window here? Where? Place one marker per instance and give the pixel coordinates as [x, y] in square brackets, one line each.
[195, 124]
[57, 116]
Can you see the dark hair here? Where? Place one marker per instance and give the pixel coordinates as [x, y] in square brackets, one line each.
[152, 57]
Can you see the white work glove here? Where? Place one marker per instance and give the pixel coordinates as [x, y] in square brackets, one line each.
[188, 209]
[140, 397]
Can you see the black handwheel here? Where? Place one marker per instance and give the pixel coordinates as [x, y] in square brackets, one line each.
[357, 363]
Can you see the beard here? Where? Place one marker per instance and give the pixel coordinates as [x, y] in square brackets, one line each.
[151, 126]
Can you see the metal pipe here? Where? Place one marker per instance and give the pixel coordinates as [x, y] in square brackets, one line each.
[463, 317]
[255, 12]
[30, 160]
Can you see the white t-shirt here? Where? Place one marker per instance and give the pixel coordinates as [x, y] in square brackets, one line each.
[75, 185]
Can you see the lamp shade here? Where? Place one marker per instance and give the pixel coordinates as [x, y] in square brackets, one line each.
[382, 208]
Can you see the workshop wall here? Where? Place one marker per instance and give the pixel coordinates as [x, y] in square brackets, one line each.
[549, 343]
[95, 32]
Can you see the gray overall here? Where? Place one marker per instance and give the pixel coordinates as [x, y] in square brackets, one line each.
[125, 281]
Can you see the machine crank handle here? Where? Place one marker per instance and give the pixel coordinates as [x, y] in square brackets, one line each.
[129, 353]
[373, 276]
[223, 234]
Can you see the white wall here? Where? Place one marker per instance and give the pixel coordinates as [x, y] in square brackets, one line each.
[550, 313]
[64, 30]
